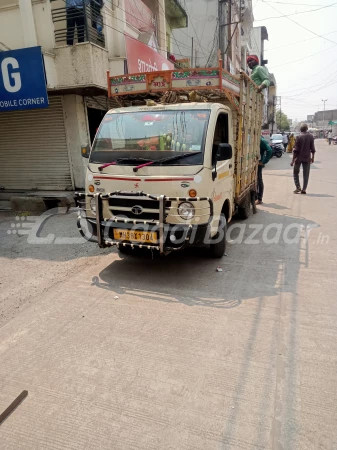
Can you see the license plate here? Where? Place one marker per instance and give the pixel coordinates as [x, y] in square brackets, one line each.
[147, 237]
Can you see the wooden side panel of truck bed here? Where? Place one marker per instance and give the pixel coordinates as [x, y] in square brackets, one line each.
[247, 122]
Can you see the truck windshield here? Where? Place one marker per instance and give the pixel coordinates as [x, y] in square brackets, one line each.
[151, 135]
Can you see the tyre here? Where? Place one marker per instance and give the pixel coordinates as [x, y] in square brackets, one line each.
[279, 154]
[218, 248]
[244, 209]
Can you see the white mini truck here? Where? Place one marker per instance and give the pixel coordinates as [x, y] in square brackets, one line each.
[172, 164]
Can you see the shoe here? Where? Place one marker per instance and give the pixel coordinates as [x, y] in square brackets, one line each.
[303, 192]
[258, 202]
[297, 191]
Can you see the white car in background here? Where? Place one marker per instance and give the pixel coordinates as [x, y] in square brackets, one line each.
[277, 139]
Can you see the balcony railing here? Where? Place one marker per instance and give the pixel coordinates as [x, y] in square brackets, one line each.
[80, 23]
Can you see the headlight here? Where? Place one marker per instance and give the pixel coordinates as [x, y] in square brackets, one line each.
[186, 210]
[93, 205]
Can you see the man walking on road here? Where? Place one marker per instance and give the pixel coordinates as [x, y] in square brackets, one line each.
[303, 154]
[266, 153]
[285, 141]
[330, 136]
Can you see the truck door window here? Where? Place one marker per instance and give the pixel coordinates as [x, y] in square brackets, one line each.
[220, 134]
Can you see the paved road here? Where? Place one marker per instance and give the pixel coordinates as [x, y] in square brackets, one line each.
[135, 353]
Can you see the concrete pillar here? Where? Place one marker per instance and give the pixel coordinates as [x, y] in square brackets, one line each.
[28, 25]
[76, 124]
[119, 23]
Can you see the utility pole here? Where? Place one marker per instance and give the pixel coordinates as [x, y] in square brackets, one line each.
[222, 31]
[273, 116]
[192, 53]
[277, 109]
[229, 31]
[324, 101]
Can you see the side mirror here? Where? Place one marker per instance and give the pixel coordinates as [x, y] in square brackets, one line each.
[224, 152]
[85, 151]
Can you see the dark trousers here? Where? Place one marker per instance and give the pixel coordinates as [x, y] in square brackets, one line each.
[306, 172]
[75, 18]
[330, 141]
[260, 185]
[285, 146]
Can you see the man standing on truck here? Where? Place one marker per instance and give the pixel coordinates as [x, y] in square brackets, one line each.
[259, 73]
[266, 153]
[303, 154]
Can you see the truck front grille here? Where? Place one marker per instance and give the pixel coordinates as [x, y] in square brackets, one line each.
[137, 208]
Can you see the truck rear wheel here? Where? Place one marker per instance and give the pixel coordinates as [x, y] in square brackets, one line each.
[244, 209]
[218, 247]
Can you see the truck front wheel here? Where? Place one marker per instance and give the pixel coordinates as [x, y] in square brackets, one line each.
[218, 242]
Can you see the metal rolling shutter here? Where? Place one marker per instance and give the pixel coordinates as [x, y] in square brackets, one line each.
[33, 149]
[101, 102]
[98, 102]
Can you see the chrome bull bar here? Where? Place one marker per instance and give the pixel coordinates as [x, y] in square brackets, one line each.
[102, 222]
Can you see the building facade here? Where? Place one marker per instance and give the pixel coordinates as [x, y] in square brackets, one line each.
[212, 26]
[80, 42]
[323, 120]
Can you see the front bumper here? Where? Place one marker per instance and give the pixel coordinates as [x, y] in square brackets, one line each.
[171, 237]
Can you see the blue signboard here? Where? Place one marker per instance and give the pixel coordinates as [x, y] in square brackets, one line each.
[22, 80]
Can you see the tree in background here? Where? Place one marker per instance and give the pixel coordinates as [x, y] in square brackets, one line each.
[282, 121]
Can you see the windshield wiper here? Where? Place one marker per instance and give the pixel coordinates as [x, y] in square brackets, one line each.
[164, 160]
[121, 160]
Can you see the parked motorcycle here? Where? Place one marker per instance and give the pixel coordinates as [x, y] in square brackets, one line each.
[277, 150]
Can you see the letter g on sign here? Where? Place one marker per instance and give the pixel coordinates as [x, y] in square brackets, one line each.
[9, 78]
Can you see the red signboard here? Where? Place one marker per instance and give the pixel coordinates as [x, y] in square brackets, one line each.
[142, 58]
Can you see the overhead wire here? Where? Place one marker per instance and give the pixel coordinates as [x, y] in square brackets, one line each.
[327, 80]
[196, 35]
[298, 42]
[302, 26]
[213, 42]
[293, 4]
[328, 84]
[206, 15]
[161, 33]
[295, 13]
[314, 74]
[305, 57]
[230, 41]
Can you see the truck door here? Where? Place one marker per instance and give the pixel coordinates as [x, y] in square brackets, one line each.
[222, 172]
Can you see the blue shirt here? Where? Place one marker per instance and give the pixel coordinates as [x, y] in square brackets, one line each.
[76, 3]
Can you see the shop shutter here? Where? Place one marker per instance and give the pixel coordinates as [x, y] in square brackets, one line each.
[101, 102]
[33, 149]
